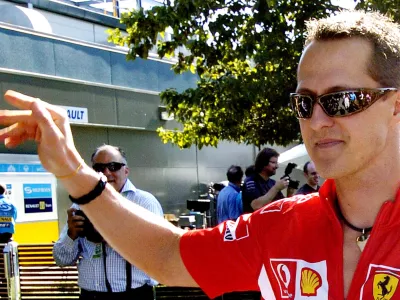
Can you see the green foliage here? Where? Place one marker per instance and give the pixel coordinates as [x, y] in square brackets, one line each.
[245, 54]
[390, 7]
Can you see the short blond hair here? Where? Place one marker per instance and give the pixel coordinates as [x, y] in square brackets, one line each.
[382, 32]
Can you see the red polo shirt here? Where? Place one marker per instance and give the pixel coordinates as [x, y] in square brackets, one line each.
[293, 249]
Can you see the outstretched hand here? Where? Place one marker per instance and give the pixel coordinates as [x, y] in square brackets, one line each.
[44, 123]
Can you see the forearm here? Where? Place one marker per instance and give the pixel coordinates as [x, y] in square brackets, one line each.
[265, 199]
[146, 240]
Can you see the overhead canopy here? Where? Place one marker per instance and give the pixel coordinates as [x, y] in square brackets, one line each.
[25, 17]
[298, 155]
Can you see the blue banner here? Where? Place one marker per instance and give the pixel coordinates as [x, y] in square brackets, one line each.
[37, 197]
[22, 168]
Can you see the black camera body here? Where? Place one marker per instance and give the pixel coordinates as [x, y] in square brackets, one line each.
[89, 231]
[294, 184]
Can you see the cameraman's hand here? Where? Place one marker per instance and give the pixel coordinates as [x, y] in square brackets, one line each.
[75, 223]
[282, 183]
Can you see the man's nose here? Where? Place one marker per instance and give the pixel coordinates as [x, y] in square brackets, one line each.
[106, 171]
[319, 118]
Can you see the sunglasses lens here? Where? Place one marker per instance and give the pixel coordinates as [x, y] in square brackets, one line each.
[99, 167]
[337, 104]
[302, 105]
[112, 167]
[342, 104]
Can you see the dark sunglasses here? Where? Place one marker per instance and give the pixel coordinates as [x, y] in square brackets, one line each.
[112, 166]
[338, 104]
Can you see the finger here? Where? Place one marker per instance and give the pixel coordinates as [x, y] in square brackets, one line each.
[12, 142]
[58, 115]
[18, 133]
[70, 212]
[78, 223]
[19, 129]
[23, 101]
[8, 117]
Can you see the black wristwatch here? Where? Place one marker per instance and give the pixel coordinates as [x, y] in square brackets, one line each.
[93, 194]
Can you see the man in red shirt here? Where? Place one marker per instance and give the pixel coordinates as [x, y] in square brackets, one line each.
[340, 243]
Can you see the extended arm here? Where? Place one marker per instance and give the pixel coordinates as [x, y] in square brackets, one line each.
[147, 241]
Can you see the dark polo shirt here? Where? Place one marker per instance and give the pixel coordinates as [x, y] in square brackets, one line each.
[306, 189]
[254, 187]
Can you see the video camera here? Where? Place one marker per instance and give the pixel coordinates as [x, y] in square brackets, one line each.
[89, 231]
[294, 184]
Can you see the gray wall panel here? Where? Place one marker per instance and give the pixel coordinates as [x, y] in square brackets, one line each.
[49, 56]
[141, 74]
[138, 110]
[26, 52]
[103, 110]
[84, 63]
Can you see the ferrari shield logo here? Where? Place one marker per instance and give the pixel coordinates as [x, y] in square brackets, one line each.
[385, 286]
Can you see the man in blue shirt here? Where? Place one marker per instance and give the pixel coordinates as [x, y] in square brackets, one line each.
[8, 215]
[229, 201]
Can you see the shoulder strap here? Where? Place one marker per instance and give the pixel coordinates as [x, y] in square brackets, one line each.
[108, 285]
[128, 276]
[128, 271]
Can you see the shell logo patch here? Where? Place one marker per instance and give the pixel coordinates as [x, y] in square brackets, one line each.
[310, 282]
[300, 280]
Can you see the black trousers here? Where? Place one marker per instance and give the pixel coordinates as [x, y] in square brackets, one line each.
[144, 292]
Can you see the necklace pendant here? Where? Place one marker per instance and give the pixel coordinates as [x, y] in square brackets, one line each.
[362, 241]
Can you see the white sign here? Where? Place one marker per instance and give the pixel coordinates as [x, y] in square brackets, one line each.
[76, 114]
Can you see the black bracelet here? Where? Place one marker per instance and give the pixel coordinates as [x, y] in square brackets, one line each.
[93, 194]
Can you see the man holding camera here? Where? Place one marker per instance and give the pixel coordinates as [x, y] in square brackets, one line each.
[259, 189]
[103, 273]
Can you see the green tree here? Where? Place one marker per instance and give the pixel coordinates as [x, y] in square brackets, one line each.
[245, 54]
[390, 7]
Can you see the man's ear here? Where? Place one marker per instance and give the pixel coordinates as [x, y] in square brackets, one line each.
[397, 104]
[127, 171]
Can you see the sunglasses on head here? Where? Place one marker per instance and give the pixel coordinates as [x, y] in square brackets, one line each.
[112, 166]
[338, 104]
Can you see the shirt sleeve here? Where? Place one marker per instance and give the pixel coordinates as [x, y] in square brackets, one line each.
[225, 258]
[66, 250]
[250, 191]
[235, 206]
[149, 202]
